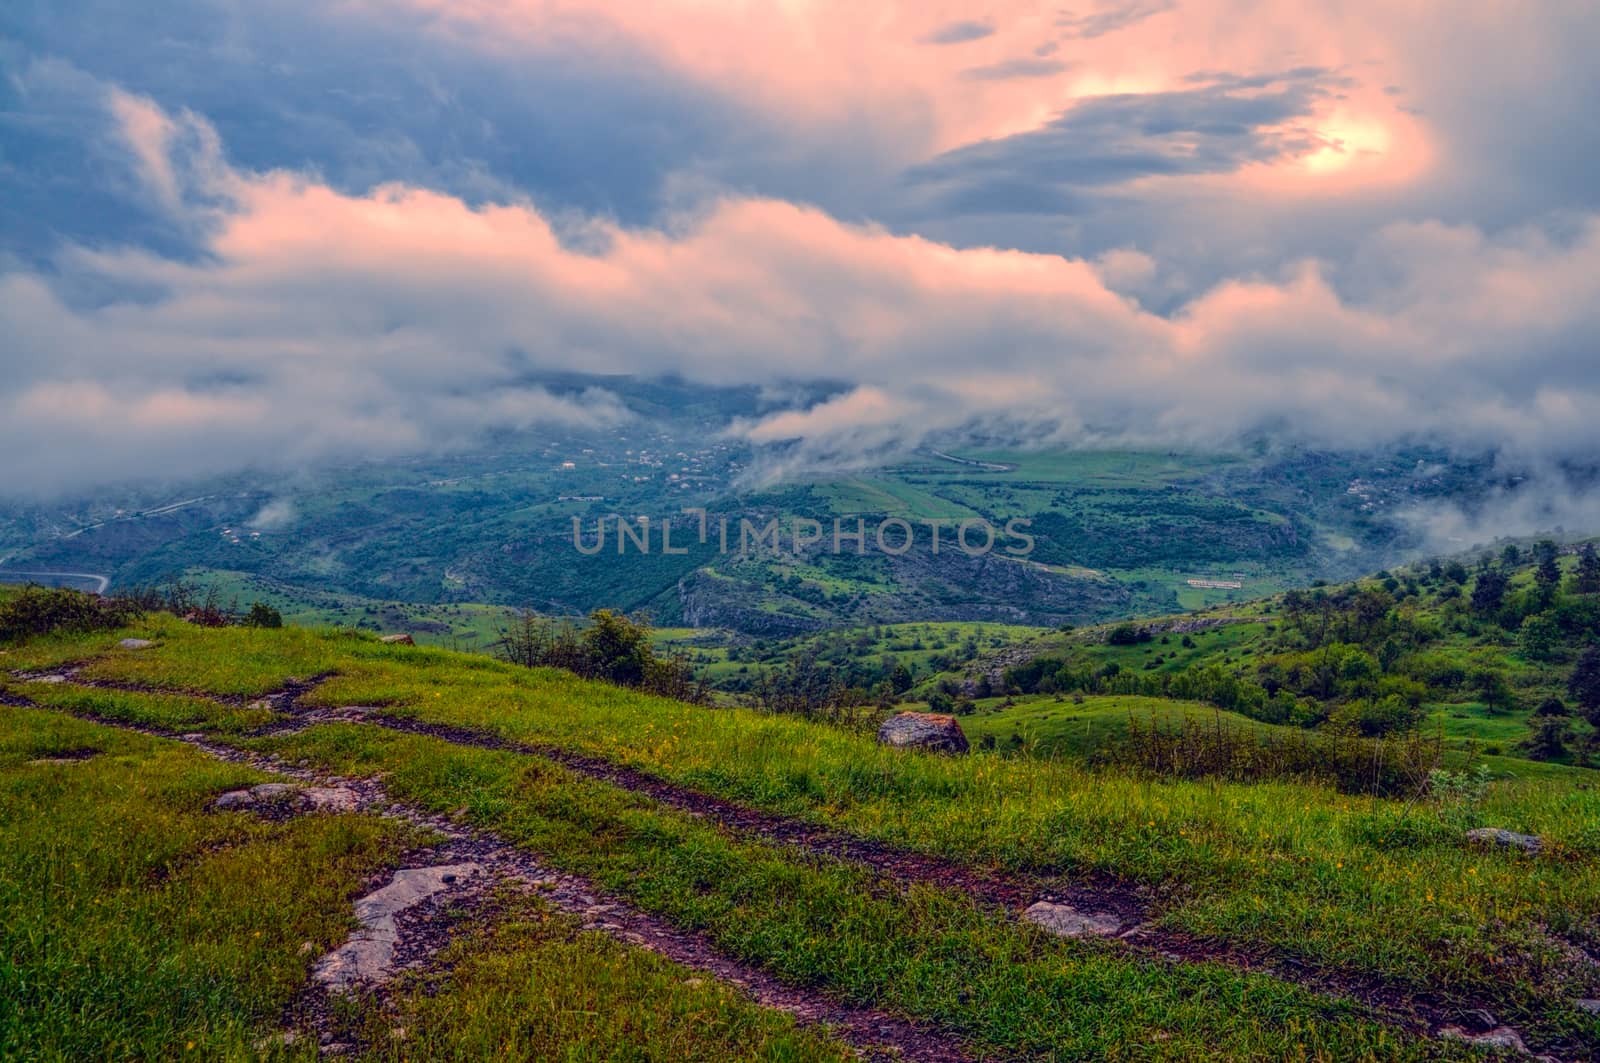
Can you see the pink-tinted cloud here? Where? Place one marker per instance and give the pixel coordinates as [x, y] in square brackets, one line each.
[817, 61]
[321, 323]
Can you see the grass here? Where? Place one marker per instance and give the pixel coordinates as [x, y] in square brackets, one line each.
[172, 712]
[136, 925]
[1005, 986]
[1048, 726]
[1370, 888]
[917, 645]
[533, 985]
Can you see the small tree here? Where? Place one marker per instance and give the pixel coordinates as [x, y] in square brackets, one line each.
[1489, 593]
[1552, 706]
[1493, 689]
[1549, 738]
[618, 648]
[1588, 581]
[900, 679]
[1584, 686]
[1539, 637]
[263, 615]
[1548, 573]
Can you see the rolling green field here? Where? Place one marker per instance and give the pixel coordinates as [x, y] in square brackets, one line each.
[437, 544]
[1342, 891]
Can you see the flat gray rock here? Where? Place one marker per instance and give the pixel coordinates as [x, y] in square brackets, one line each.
[1591, 1006]
[368, 957]
[1065, 921]
[1505, 839]
[136, 644]
[1501, 1038]
[307, 798]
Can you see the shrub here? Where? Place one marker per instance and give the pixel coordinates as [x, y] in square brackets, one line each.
[38, 611]
[1193, 749]
[1127, 635]
[263, 615]
[613, 648]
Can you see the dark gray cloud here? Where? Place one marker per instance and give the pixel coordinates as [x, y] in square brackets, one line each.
[1108, 140]
[1011, 69]
[597, 129]
[1109, 18]
[960, 32]
[152, 322]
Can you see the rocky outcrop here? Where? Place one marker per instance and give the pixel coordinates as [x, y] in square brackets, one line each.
[923, 730]
[706, 601]
[398, 640]
[1505, 839]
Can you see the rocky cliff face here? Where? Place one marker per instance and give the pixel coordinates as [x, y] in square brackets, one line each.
[711, 601]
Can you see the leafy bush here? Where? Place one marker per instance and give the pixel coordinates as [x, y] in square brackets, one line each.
[1127, 635]
[263, 615]
[613, 648]
[1458, 794]
[38, 611]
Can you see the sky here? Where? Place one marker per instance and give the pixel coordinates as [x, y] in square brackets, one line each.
[268, 234]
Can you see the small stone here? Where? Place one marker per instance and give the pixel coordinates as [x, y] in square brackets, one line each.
[398, 640]
[308, 798]
[1591, 1006]
[923, 730]
[1499, 1038]
[1063, 920]
[286, 1038]
[136, 644]
[1506, 839]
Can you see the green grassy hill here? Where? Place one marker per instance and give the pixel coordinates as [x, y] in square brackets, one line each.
[625, 863]
[1480, 651]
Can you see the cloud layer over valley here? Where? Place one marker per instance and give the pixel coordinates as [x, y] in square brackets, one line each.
[1324, 231]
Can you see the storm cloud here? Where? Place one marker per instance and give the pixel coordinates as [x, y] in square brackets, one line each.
[256, 235]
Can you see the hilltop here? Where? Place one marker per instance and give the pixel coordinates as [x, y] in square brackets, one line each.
[616, 873]
[1477, 652]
